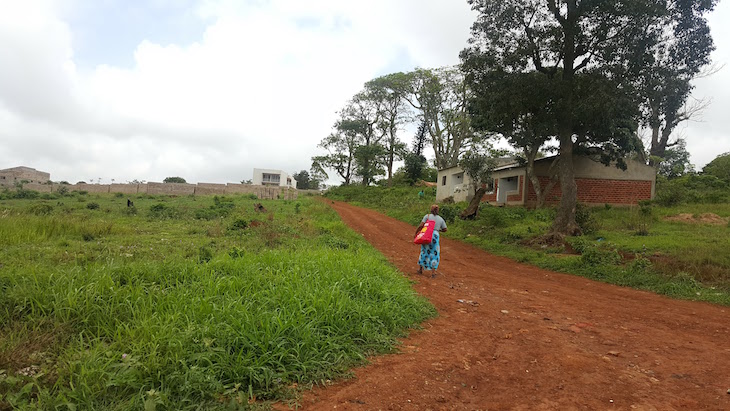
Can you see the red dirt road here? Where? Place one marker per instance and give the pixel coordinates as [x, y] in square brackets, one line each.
[515, 337]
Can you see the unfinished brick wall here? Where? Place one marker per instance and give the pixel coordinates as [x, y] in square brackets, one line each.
[597, 191]
[210, 189]
[261, 192]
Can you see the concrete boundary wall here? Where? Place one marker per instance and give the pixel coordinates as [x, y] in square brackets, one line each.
[177, 189]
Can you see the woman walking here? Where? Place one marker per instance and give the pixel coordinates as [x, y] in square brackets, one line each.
[431, 253]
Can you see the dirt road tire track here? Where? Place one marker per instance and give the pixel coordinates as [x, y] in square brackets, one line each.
[529, 339]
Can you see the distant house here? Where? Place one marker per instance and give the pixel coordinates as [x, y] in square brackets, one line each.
[266, 177]
[10, 176]
[454, 182]
[596, 183]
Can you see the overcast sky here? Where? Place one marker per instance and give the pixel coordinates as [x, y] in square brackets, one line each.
[207, 90]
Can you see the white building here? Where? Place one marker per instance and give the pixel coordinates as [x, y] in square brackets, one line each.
[266, 177]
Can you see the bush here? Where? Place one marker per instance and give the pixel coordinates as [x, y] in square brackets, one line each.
[693, 188]
[92, 206]
[238, 224]
[204, 255]
[22, 193]
[334, 242]
[585, 219]
[41, 209]
[236, 252]
[449, 212]
[221, 207]
[595, 256]
[162, 211]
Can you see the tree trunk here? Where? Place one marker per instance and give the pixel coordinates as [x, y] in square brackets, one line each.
[564, 223]
[540, 192]
[565, 219]
[473, 209]
[659, 145]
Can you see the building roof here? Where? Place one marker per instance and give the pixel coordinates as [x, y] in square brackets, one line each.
[516, 164]
[500, 162]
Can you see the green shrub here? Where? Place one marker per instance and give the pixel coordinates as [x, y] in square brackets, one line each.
[595, 256]
[495, 217]
[221, 207]
[92, 206]
[585, 219]
[580, 244]
[449, 212]
[40, 209]
[238, 224]
[204, 255]
[161, 211]
[334, 242]
[21, 193]
[639, 264]
[236, 252]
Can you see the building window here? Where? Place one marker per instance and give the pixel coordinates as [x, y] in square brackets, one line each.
[490, 186]
[270, 179]
[443, 180]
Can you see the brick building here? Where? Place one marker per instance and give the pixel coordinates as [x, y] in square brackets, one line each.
[596, 183]
[10, 176]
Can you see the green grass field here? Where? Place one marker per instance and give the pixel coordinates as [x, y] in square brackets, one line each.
[186, 303]
[630, 246]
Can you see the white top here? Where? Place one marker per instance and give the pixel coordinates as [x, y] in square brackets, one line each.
[440, 223]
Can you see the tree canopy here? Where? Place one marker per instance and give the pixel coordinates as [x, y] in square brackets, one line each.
[174, 180]
[719, 167]
[589, 51]
[306, 180]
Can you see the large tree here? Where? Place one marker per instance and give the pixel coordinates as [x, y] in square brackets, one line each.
[518, 106]
[392, 114]
[679, 46]
[341, 146]
[440, 98]
[354, 147]
[306, 180]
[676, 162]
[360, 118]
[415, 161]
[719, 167]
[478, 165]
[587, 48]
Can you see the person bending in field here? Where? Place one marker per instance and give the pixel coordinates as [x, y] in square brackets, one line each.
[431, 253]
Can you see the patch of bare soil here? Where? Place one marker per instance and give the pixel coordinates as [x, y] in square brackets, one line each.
[550, 241]
[706, 218]
[515, 337]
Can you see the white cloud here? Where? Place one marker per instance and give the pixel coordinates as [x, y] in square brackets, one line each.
[259, 88]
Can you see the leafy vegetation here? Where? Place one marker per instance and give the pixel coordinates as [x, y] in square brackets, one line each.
[644, 246]
[162, 309]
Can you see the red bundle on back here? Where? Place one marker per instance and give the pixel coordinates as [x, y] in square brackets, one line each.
[426, 234]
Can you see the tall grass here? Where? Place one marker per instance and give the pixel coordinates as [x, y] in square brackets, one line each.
[144, 322]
